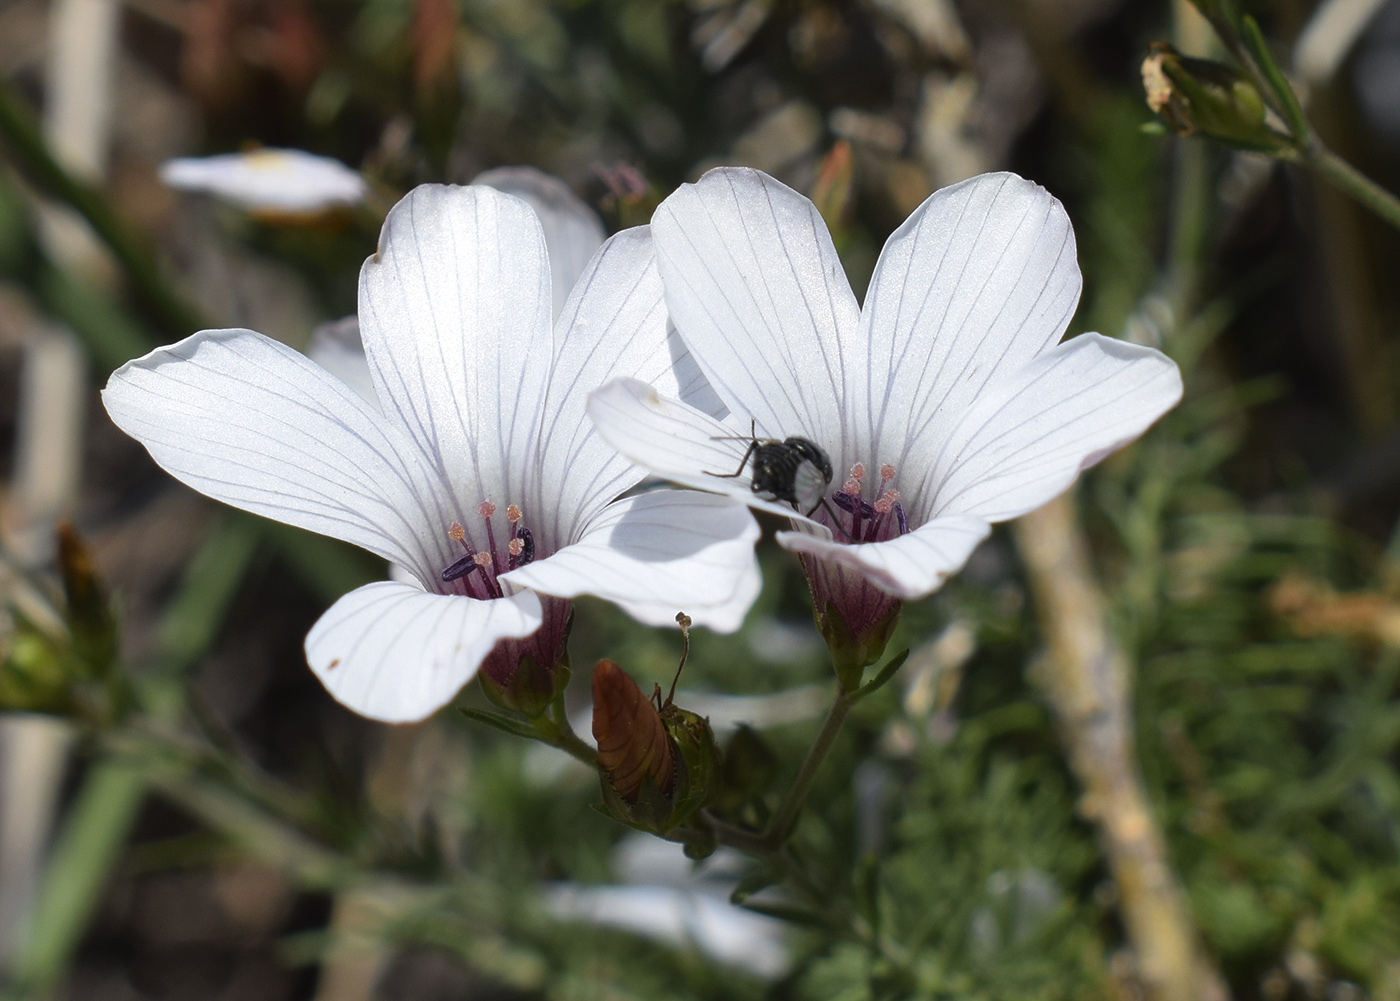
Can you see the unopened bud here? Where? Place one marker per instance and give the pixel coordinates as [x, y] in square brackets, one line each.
[658, 765]
[1197, 95]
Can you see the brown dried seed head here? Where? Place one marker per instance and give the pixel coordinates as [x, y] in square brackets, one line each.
[632, 743]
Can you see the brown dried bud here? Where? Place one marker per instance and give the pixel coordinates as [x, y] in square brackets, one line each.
[632, 743]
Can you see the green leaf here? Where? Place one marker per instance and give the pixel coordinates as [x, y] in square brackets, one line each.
[501, 721]
[886, 673]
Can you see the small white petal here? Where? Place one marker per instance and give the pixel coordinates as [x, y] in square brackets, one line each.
[455, 318]
[676, 442]
[572, 230]
[756, 290]
[255, 424]
[337, 348]
[397, 654]
[977, 281]
[657, 554]
[270, 180]
[1028, 436]
[908, 567]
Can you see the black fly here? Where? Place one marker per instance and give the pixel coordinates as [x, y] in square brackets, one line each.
[793, 469]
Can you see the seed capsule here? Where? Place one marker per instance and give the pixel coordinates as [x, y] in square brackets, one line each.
[632, 743]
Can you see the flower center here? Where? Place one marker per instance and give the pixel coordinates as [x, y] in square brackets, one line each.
[863, 520]
[479, 566]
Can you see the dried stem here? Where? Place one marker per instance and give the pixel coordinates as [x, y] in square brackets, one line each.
[1086, 679]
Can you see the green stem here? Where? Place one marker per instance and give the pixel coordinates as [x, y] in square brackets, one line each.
[1347, 178]
[561, 734]
[781, 823]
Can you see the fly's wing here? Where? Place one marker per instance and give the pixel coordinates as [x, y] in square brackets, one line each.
[808, 486]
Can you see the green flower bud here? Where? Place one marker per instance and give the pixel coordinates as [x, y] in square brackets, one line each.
[1197, 95]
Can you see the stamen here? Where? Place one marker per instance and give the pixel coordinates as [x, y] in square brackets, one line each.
[516, 545]
[482, 559]
[884, 505]
[858, 471]
[887, 472]
[456, 532]
[852, 487]
[514, 514]
[486, 509]
[849, 504]
[460, 567]
[527, 554]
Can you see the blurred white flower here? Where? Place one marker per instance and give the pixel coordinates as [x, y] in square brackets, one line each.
[668, 898]
[482, 467]
[278, 181]
[946, 404]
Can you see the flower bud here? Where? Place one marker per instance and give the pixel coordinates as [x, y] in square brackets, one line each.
[1196, 95]
[658, 766]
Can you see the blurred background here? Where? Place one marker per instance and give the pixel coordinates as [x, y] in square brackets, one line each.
[185, 814]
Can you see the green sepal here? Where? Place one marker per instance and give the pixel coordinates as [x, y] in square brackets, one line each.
[531, 689]
[697, 762]
[851, 654]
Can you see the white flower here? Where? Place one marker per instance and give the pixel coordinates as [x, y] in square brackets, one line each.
[572, 234]
[481, 458]
[947, 403]
[280, 181]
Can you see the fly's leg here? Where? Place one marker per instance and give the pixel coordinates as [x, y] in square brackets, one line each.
[753, 444]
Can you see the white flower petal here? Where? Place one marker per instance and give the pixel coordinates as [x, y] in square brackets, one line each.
[455, 317]
[657, 554]
[756, 290]
[255, 424]
[336, 346]
[572, 230]
[977, 282]
[269, 180]
[677, 442]
[615, 324]
[908, 567]
[1028, 436]
[397, 654]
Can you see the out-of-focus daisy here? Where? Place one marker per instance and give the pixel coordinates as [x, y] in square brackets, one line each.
[278, 182]
[946, 404]
[482, 478]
